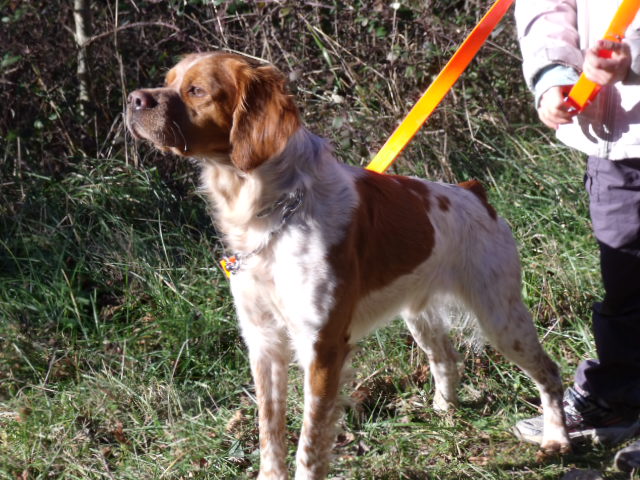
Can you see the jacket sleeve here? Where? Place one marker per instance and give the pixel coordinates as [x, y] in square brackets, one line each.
[553, 76]
[548, 35]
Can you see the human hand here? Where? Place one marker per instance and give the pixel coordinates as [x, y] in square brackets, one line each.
[607, 62]
[553, 109]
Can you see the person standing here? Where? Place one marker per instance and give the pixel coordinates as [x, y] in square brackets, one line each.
[559, 39]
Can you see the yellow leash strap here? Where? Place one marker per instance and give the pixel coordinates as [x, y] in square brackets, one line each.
[585, 90]
[439, 88]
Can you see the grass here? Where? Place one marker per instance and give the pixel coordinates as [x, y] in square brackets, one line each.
[120, 357]
[119, 351]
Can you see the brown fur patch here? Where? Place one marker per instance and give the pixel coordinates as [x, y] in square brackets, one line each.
[264, 119]
[517, 346]
[479, 191]
[444, 203]
[391, 233]
[389, 236]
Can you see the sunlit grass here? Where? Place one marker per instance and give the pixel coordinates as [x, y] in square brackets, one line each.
[120, 355]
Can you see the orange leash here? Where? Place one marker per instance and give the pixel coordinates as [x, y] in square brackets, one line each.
[439, 88]
[585, 90]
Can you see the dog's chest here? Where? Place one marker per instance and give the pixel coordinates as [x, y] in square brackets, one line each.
[292, 279]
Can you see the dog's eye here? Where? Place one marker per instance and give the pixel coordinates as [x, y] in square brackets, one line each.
[196, 91]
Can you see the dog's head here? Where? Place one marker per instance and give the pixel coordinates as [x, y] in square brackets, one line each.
[219, 106]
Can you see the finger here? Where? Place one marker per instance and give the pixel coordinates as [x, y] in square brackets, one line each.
[554, 118]
[561, 118]
[544, 118]
[594, 61]
[595, 74]
[606, 64]
[612, 46]
[549, 123]
[553, 109]
[606, 71]
[554, 100]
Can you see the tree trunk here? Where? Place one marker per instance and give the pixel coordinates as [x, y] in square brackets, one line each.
[82, 17]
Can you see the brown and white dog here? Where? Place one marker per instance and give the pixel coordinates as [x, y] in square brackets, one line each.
[326, 252]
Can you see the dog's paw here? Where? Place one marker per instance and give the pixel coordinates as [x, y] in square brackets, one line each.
[442, 404]
[552, 448]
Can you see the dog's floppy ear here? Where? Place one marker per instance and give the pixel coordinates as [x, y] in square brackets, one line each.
[264, 119]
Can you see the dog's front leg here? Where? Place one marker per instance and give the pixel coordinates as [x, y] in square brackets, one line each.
[269, 354]
[323, 374]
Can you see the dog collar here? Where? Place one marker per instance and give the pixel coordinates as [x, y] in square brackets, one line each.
[289, 203]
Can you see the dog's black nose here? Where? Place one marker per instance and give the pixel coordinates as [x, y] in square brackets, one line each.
[141, 100]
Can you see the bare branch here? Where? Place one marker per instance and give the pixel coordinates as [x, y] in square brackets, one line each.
[108, 33]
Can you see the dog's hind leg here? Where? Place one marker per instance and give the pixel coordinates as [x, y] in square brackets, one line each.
[507, 325]
[432, 337]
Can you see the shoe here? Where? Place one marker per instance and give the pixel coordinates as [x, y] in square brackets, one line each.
[587, 419]
[628, 459]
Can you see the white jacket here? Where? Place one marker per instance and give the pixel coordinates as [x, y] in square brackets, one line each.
[553, 36]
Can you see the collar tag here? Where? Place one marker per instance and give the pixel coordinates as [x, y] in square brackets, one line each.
[230, 265]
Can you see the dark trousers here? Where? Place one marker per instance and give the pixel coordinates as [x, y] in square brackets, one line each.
[614, 196]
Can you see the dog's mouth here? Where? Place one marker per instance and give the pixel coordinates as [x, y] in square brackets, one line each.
[133, 129]
[167, 136]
